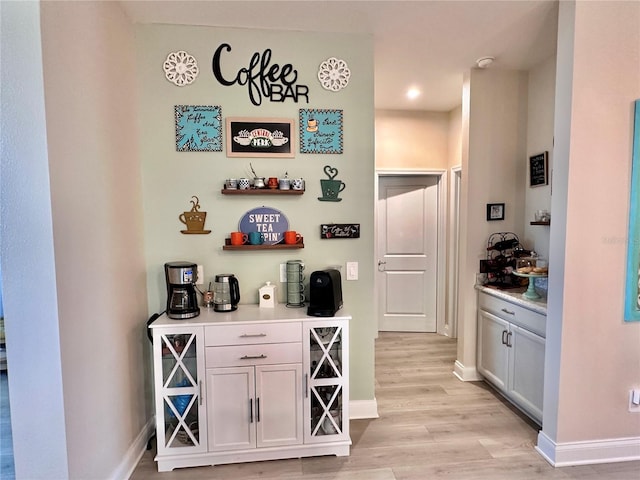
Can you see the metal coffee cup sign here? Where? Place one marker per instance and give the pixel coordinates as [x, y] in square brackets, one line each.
[270, 222]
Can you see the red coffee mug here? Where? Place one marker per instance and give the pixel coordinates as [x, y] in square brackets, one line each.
[239, 238]
[291, 237]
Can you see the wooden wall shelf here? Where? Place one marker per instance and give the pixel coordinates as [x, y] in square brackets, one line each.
[540, 223]
[261, 191]
[279, 246]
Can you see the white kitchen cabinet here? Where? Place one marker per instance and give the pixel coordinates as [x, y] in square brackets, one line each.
[251, 407]
[511, 349]
[261, 384]
[327, 387]
[179, 371]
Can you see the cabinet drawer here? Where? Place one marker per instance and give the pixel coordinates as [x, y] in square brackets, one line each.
[532, 321]
[261, 354]
[252, 333]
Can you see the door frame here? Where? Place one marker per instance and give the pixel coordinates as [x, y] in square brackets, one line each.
[441, 264]
[451, 322]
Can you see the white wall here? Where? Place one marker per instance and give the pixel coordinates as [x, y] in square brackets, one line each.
[408, 140]
[493, 139]
[73, 204]
[542, 82]
[27, 254]
[171, 178]
[593, 357]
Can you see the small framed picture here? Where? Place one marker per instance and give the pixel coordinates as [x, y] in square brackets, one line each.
[538, 168]
[495, 211]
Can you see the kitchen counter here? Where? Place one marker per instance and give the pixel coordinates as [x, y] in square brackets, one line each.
[250, 313]
[514, 295]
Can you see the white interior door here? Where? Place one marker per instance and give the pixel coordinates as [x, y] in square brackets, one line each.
[407, 253]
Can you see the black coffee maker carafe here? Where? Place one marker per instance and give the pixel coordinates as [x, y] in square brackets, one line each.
[182, 302]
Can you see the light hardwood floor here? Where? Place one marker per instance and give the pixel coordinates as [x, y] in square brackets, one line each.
[431, 425]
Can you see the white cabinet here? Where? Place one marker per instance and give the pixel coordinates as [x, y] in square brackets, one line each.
[254, 384]
[327, 388]
[179, 371]
[252, 407]
[511, 349]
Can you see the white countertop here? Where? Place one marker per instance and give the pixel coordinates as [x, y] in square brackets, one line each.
[247, 314]
[515, 296]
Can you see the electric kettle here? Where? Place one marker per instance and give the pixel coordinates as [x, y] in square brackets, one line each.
[226, 293]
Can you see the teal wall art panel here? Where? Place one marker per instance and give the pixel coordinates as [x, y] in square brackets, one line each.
[632, 296]
[320, 131]
[198, 128]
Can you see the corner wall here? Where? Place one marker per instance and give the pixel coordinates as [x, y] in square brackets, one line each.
[593, 359]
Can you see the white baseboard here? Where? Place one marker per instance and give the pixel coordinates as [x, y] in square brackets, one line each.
[135, 452]
[466, 374]
[359, 409]
[588, 453]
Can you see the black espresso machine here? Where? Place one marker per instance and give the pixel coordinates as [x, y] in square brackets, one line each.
[182, 302]
[325, 293]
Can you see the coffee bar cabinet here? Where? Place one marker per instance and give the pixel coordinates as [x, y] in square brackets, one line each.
[511, 349]
[253, 384]
[179, 371]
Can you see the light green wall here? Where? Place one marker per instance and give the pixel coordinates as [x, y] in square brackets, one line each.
[170, 178]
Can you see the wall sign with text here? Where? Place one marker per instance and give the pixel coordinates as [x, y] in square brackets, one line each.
[262, 79]
[339, 230]
[260, 137]
[270, 222]
[320, 131]
[198, 128]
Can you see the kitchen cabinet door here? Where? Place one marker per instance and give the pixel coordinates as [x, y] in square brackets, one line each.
[493, 356]
[326, 365]
[526, 370]
[231, 408]
[279, 405]
[178, 376]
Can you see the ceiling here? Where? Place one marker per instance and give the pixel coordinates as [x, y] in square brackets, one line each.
[425, 44]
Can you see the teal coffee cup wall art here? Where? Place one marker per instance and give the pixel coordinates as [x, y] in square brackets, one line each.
[331, 187]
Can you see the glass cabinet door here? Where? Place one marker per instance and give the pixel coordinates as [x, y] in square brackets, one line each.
[179, 365]
[326, 383]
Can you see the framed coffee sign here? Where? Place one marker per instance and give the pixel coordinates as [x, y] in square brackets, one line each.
[339, 230]
[260, 137]
[198, 128]
[320, 131]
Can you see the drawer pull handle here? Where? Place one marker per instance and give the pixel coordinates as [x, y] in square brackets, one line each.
[504, 337]
[253, 357]
[249, 335]
[508, 312]
[200, 391]
[251, 410]
[258, 409]
[306, 385]
[509, 344]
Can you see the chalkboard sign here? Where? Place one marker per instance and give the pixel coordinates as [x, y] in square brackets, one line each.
[254, 137]
[538, 170]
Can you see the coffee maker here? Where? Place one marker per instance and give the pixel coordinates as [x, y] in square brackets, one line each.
[182, 302]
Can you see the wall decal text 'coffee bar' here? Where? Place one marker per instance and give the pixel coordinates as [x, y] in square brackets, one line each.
[263, 79]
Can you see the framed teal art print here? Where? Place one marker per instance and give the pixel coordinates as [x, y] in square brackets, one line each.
[632, 287]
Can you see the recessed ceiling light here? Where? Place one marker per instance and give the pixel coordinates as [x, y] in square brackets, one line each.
[413, 93]
[484, 62]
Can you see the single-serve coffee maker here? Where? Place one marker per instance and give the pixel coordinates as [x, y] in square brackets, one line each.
[226, 293]
[182, 301]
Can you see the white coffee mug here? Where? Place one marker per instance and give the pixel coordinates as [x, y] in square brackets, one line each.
[284, 184]
[297, 184]
[244, 184]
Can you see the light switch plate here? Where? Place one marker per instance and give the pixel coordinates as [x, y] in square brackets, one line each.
[352, 270]
[200, 279]
[283, 272]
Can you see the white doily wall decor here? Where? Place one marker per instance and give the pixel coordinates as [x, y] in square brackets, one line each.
[334, 74]
[180, 68]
